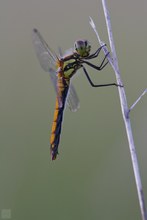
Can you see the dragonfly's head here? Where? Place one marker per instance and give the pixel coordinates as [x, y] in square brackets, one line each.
[82, 47]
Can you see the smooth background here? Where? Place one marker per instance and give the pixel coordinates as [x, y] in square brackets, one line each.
[92, 177]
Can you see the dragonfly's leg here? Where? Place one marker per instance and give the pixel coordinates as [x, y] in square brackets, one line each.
[96, 53]
[100, 85]
[98, 67]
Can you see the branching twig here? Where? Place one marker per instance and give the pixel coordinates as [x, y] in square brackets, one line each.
[124, 107]
[145, 91]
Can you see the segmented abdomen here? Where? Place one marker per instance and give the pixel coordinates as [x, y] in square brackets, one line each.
[58, 117]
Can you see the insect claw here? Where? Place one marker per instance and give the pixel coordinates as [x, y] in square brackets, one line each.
[120, 85]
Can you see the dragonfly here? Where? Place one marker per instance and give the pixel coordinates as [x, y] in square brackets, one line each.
[61, 69]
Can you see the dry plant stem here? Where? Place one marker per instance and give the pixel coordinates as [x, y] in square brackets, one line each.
[145, 91]
[124, 108]
[126, 118]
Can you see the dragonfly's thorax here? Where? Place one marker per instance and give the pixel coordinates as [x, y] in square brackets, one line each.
[70, 64]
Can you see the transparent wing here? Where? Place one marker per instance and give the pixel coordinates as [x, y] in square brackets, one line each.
[46, 56]
[72, 99]
[47, 59]
[68, 52]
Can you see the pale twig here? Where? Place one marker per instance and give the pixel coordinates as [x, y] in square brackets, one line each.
[105, 50]
[124, 107]
[145, 91]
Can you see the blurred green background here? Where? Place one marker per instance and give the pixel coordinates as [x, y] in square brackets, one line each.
[92, 177]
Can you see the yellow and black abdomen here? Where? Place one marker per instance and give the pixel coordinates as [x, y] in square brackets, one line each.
[63, 87]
